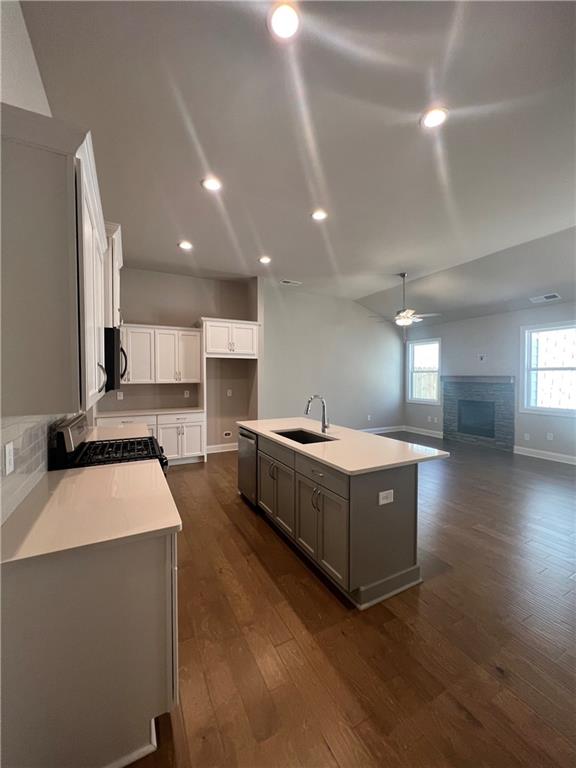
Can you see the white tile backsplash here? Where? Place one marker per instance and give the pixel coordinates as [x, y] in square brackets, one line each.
[29, 434]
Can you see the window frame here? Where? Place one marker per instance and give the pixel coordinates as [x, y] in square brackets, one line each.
[525, 369]
[410, 344]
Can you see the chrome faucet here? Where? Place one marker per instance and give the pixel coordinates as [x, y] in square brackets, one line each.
[325, 422]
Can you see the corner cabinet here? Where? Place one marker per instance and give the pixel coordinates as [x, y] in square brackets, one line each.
[230, 338]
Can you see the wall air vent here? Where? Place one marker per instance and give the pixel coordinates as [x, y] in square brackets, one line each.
[543, 299]
[290, 282]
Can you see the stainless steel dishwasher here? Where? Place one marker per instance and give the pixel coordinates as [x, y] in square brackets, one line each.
[247, 464]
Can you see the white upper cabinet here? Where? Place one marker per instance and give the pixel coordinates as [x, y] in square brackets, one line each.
[138, 343]
[166, 356]
[92, 260]
[162, 355]
[230, 338]
[218, 337]
[53, 246]
[112, 266]
[189, 356]
[178, 356]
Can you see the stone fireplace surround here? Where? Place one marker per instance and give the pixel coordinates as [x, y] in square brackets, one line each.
[497, 389]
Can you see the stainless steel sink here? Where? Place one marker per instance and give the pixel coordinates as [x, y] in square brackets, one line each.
[303, 436]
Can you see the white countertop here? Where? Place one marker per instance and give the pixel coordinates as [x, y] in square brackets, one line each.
[145, 412]
[117, 432]
[73, 508]
[352, 452]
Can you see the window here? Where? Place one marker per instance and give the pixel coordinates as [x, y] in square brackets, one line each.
[550, 369]
[424, 371]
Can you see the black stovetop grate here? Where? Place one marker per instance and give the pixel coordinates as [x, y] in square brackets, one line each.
[115, 451]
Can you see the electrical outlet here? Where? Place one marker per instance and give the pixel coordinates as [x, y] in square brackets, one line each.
[228, 393]
[549, 435]
[227, 434]
[186, 393]
[385, 497]
[430, 419]
[369, 417]
[482, 356]
[527, 436]
[435, 419]
[9, 458]
[119, 395]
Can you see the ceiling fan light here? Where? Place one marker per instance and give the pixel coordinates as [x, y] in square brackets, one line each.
[403, 320]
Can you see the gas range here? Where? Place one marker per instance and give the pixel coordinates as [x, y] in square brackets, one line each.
[68, 447]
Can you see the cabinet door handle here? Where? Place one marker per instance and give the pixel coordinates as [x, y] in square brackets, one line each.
[101, 388]
[314, 492]
[125, 356]
[318, 474]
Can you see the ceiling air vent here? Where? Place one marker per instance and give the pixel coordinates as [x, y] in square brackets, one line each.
[290, 282]
[545, 298]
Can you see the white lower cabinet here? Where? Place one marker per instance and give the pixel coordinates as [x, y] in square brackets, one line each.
[192, 439]
[122, 421]
[181, 435]
[169, 439]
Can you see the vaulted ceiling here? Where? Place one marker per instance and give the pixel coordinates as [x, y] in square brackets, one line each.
[173, 90]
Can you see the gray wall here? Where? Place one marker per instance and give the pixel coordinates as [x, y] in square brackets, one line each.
[22, 87]
[160, 298]
[499, 337]
[21, 83]
[331, 346]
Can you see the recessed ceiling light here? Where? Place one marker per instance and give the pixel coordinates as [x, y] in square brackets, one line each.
[284, 21]
[186, 245]
[264, 259]
[319, 214]
[212, 184]
[434, 117]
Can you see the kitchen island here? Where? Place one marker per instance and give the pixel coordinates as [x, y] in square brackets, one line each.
[347, 499]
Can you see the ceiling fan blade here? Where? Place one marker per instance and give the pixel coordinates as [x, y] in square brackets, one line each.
[417, 319]
[428, 314]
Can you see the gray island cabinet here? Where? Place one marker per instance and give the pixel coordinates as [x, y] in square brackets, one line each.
[349, 503]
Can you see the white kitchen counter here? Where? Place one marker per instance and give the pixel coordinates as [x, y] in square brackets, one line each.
[145, 412]
[73, 508]
[119, 432]
[352, 452]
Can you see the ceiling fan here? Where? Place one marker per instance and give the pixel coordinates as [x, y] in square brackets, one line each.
[407, 316]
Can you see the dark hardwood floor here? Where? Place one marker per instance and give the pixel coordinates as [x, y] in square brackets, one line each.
[475, 667]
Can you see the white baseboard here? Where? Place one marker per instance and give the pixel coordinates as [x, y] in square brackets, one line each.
[382, 430]
[186, 460]
[428, 432]
[222, 448]
[138, 754]
[563, 458]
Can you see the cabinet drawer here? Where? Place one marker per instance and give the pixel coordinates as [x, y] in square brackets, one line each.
[276, 451]
[335, 481]
[118, 421]
[180, 418]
